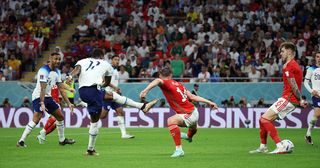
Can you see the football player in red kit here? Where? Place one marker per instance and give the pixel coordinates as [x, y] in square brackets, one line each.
[178, 97]
[291, 97]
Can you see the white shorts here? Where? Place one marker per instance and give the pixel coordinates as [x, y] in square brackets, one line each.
[282, 107]
[190, 119]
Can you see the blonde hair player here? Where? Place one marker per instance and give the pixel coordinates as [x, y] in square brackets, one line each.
[291, 97]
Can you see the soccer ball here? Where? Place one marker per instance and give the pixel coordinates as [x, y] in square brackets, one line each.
[288, 145]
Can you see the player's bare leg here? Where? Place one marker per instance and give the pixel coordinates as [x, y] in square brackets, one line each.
[104, 113]
[29, 127]
[145, 107]
[173, 124]
[60, 128]
[122, 125]
[312, 123]
[93, 133]
[47, 129]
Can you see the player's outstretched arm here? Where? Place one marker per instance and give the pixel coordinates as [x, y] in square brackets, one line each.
[62, 89]
[76, 71]
[151, 85]
[201, 99]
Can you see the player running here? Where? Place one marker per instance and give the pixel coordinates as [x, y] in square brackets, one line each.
[313, 76]
[291, 97]
[186, 113]
[95, 73]
[47, 77]
[109, 104]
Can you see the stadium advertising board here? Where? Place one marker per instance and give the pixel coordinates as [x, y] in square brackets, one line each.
[157, 117]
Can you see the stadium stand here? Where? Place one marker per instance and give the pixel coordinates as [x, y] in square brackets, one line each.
[233, 40]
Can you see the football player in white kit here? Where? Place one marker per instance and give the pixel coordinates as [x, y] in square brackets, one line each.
[95, 73]
[313, 76]
[47, 76]
[109, 104]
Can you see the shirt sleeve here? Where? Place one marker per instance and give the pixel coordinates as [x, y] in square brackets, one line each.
[43, 76]
[309, 73]
[289, 71]
[59, 80]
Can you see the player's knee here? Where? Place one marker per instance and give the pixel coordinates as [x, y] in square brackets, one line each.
[103, 115]
[171, 121]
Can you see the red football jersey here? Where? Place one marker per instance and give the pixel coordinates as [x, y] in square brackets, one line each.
[176, 95]
[291, 70]
[55, 94]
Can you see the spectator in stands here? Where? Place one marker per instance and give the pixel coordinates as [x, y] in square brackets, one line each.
[2, 77]
[7, 70]
[261, 103]
[154, 11]
[26, 102]
[254, 75]
[204, 75]
[178, 67]
[215, 76]
[272, 68]
[176, 49]
[243, 103]
[83, 28]
[6, 103]
[15, 64]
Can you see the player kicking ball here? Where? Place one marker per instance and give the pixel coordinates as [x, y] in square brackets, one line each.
[186, 113]
[291, 97]
[312, 76]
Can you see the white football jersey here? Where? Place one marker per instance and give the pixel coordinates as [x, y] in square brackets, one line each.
[93, 71]
[114, 79]
[313, 75]
[49, 76]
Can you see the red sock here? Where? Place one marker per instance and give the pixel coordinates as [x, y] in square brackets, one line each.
[50, 125]
[263, 133]
[191, 132]
[269, 127]
[175, 133]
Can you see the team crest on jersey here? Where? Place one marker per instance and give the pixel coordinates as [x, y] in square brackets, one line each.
[175, 83]
[287, 73]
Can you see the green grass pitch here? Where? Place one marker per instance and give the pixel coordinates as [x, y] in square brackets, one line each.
[152, 148]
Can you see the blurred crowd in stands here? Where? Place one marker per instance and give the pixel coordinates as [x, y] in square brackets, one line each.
[27, 27]
[207, 40]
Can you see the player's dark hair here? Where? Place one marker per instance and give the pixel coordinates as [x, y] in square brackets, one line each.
[288, 45]
[54, 53]
[97, 53]
[166, 71]
[114, 56]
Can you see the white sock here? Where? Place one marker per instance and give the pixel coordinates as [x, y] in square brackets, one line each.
[122, 125]
[93, 133]
[60, 128]
[126, 101]
[311, 125]
[179, 147]
[262, 145]
[27, 130]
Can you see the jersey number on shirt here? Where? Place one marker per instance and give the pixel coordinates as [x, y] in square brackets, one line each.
[183, 94]
[91, 66]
